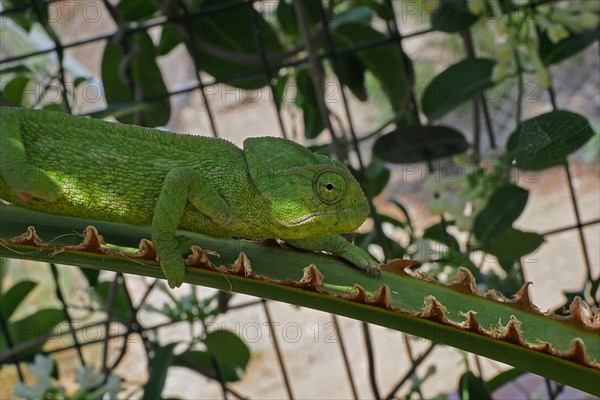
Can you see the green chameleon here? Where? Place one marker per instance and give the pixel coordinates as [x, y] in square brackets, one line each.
[273, 188]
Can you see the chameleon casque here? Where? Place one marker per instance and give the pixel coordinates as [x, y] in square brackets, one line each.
[273, 188]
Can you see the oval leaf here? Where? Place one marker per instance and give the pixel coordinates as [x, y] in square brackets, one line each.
[419, 143]
[14, 90]
[472, 387]
[452, 16]
[373, 179]
[158, 366]
[230, 352]
[384, 61]
[135, 10]
[144, 71]
[15, 296]
[546, 140]
[455, 85]
[231, 31]
[553, 53]
[33, 326]
[122, 310]
[512, 245]
[306, 99]
[503, 208]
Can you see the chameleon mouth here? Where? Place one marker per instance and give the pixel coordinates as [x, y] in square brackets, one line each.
[309, 218]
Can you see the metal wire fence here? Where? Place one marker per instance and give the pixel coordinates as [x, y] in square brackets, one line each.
[267, 66]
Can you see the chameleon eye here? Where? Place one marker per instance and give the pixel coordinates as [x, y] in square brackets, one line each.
[329, 187]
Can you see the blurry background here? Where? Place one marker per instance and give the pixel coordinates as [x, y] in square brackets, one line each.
[218, 68]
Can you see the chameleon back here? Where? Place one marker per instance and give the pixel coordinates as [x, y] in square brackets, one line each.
[115, 172]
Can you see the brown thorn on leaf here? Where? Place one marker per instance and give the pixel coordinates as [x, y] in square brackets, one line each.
[92, 242]
[312, 279]
[522, 301]
[240, 267]
[198, 259]
[398, 266]
[492, 295]
[426, 277]
[383, 297]
[29, 238]
[358, 294]
[512, 334]
[434, 310]
[471, 324]
[577, 353]
[464, 282]
[577, 317]
[146, 251]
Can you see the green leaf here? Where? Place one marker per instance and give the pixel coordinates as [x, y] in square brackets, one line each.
[504, 206]
[513, 244]
[280, 89]
[14, 90]
[144, 71]
[31, 327]
[135, 10]
[436, 233]
[452, 16]
[358, 15]
[278, 266]
[382, 10]
[91, 275]
[419, 143]
[455, 85]
[169, 39]
[472, 387]
[351, 72]
[122, 310]
[232, 30]
[158, 365]
[288, 19]
[503, 378]
[553, 53]
[373, 179]
[306, 99]
[230, 352]
[15, 296]
[383, 61]
[197, 360]
[546, 140]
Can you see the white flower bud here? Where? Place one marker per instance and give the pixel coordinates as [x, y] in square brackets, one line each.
[499, 71]
[505, 51]
[557, 32]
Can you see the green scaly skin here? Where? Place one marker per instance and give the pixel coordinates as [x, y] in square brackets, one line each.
[274, 188]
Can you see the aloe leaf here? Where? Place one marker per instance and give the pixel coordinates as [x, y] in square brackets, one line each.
[512, 331]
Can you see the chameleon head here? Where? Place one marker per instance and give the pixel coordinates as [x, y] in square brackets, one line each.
[308, 194]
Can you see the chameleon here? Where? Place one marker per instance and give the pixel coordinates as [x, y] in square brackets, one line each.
[272, 188]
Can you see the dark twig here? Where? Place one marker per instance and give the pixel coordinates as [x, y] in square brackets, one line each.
[9, 344]
[410, 372]
[344, 355]
[61, 298]
[286, 380]
[371, 360]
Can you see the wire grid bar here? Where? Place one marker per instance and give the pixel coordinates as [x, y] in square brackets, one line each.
[267, 70]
